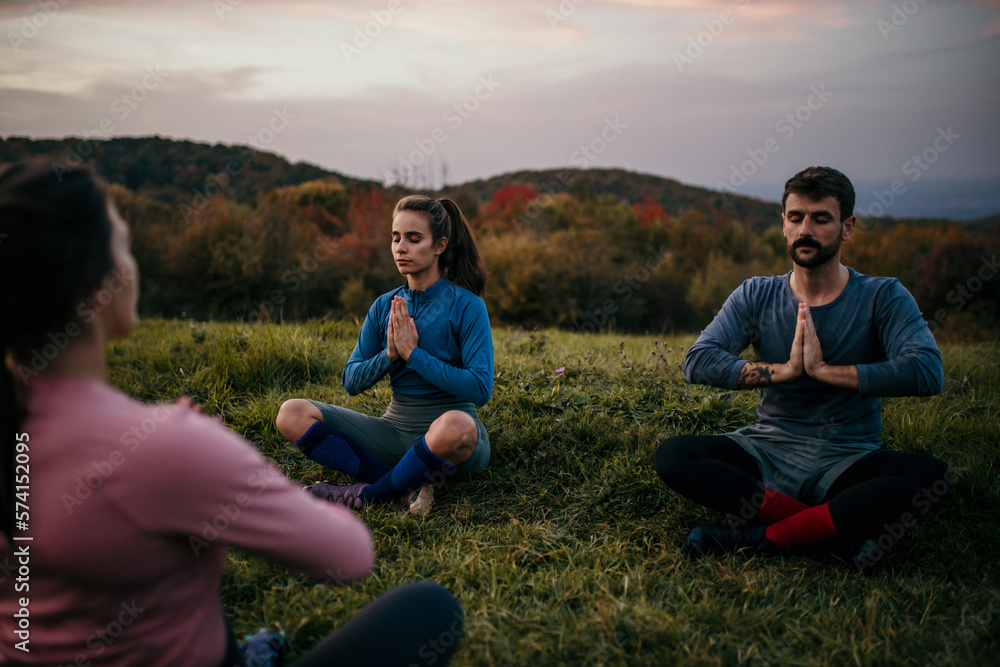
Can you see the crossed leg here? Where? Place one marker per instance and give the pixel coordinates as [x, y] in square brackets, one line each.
[452, 436]
[450, 440]
[882, 488]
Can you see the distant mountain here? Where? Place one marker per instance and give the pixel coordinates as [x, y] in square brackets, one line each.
[177, 171]
[172, 171]
[596, 232]
[988, 221]
[630, 186]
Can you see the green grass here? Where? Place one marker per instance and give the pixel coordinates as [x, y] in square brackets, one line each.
[566, 550]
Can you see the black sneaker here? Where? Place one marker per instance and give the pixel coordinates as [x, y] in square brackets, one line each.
[865, 557]
[714, 538]
[347, 495]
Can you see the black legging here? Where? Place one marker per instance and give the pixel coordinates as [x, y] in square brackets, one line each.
[416, 624]
[884, 488]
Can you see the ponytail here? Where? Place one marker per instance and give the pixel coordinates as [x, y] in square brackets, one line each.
[461, 261]
[464, 264]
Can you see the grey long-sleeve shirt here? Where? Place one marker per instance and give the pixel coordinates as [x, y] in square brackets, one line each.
[874, 324]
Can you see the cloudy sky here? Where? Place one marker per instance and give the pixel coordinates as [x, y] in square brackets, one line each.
[901, 95]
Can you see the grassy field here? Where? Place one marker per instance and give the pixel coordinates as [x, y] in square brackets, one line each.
[567, 549]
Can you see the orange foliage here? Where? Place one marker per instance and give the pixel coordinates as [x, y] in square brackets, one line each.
[369, 223]
[899, 249]
[509, 198]
[318, 215]
[504, 196]
[647, 212]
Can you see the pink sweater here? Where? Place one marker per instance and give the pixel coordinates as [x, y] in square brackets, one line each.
[132, 507]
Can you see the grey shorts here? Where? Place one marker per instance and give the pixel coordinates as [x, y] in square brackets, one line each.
[799, 466]
[404, 422]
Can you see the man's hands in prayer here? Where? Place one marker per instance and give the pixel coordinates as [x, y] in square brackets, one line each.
[806, 358]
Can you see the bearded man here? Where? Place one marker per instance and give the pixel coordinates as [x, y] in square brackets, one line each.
[830, 343]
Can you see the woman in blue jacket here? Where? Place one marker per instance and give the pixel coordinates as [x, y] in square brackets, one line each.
[432, 337]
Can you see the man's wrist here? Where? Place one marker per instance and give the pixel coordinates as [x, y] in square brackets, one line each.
[782, 373]
[817, 372]
[843, 377]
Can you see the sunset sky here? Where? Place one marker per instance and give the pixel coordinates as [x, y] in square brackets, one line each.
[718, 93]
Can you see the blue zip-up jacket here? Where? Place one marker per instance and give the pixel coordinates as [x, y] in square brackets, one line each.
[454, 353]
[874, 324]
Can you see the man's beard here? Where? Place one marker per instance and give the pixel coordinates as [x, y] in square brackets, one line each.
[822, 255]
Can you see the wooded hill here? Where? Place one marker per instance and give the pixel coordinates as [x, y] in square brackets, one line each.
[235, 232]
[174, 170]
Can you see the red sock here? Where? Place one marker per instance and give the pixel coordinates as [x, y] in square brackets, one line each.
[778, 506]
[810, 525]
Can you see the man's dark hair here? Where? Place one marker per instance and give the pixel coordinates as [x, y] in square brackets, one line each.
[818, 183]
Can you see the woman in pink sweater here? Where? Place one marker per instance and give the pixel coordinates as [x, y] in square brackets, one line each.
[115, 515]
